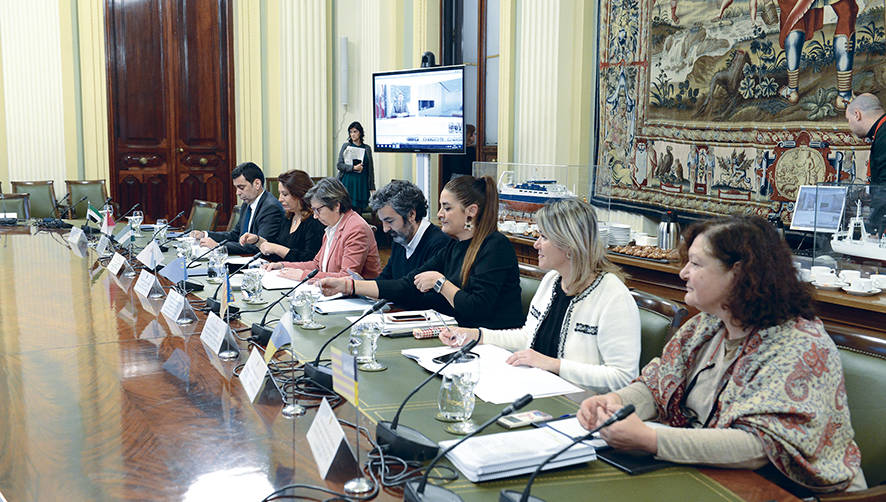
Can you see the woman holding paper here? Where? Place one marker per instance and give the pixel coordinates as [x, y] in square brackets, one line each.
[583, 323]
[301, 238]
[474, 278]
[348, 242]
[753, 380]
[355, 167]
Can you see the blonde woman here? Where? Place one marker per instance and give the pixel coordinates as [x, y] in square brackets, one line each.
[583, 323]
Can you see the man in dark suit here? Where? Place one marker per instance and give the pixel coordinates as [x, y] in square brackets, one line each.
[260, 213]
[402, 209]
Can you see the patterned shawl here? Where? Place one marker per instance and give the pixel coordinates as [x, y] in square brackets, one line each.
[786, 387]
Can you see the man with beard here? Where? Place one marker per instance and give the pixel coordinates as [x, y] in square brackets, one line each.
[402, 209]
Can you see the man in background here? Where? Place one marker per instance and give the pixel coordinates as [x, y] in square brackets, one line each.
[260, 214]
[403, 211]
[865, 115]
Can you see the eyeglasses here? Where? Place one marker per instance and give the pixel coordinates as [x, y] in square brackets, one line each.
[317, 209]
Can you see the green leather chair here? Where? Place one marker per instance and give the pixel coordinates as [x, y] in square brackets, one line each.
[234, 219]
[272, 185]
[17, 203]
[94, 190]
[659, 320]
[530, 278]
[203, 215]
[42, 197]
[864, 369]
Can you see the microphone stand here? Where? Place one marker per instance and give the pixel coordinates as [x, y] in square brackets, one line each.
[414, 491]
[260, 333]
[406, 442]
[514, 496]
[163, 227]
[212, 302]
[322, 375]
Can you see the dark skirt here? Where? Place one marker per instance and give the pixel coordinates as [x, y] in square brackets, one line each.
[357, 185]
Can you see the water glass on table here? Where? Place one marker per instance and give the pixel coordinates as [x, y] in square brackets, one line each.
[215, 272]
[160, 228]
[455, 401]
[135, 223]
[312, 296]
[364, 344]
[252, 288]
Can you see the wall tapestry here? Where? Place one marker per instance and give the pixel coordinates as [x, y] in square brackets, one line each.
[726, 107]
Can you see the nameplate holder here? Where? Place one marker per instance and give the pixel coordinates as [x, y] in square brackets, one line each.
[151, 256]
[252, 376]
[153, 333]
[76, 236]
[176, 308]
[103, 246]
[116, 263]
[151, 305]
[215, 332]
[148, 286]
[332, 453]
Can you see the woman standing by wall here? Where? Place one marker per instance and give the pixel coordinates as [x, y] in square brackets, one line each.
[356, 174]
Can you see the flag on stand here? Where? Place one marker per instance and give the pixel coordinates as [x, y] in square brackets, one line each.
[176, 271]
[227, 297]
[344, 375]
[279, 338]
[108, 223]
[93, 214]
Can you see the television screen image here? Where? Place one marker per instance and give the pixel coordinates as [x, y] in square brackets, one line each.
[420, 110]
[819, 208]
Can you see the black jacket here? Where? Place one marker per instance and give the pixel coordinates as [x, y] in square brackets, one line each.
[269, 217]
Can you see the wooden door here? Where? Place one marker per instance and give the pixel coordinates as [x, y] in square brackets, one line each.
[170, 86]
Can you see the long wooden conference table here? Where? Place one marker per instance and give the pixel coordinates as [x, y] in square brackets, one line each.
[103, 399]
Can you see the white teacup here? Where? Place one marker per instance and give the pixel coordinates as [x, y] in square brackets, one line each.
[879, 280]
[805, 275]
[825, 278]
[521, 226]
[850, 275]
[820, 270]
[860, 284]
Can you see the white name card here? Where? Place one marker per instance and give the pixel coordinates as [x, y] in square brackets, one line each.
[172, 307]
[102, 247]
[144, 282]
[116, 263]
[328, 444]
[76, 236]
[214, 331]
[151, 255]
[253, 374]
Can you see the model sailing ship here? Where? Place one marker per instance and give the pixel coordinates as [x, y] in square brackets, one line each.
[855, 241]
[530, 195]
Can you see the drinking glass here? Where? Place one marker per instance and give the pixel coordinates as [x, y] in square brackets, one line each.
[252, 287]
[296, 305]
[160, 228]
[364, 343]
[215, 272]
[313, 295]
[456, 397]
[135, 222]
[185, 248]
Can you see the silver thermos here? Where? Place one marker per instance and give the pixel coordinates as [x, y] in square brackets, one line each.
[668, 232]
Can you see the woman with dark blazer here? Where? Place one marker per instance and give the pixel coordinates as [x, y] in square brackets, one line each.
[301, 236]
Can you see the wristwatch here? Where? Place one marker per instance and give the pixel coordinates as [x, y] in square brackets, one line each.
[439, 284]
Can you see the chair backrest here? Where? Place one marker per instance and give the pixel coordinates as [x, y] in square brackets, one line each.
[530, 278]
[659, 319]
[203, 215]
[234, 220]
[864, 370]
[94, 190]
[272, 185]
[42, 197]
[17, 203]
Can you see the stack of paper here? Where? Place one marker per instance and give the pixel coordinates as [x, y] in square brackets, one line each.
[343, 305]
[514, 453]
[499, 381]
[405, 321]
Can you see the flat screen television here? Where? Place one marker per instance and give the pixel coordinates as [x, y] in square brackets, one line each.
[419, 110]
[819, 208]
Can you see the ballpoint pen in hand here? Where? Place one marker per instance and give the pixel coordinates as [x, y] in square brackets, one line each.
[459, 337]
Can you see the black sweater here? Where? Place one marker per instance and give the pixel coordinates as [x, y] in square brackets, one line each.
[490, 299]
[303, 244]
[432, 241]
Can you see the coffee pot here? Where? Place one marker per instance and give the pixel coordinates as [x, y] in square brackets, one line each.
[668, 231]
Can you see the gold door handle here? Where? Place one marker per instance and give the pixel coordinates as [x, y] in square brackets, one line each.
[203, 161]
[143, 161]
[181, 150]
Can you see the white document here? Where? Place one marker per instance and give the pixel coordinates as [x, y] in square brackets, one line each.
[151, 256]
[500, 382]
[116, 262]
[570, 427]
[243, 260]
[144, 282]
[272, 280]
[172, 307]
[343, 305]
[253, 374]
[214, 331]
[508, 454]
[351, 153]
[325, 437]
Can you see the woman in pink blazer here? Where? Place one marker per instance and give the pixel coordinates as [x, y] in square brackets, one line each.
[348, 242]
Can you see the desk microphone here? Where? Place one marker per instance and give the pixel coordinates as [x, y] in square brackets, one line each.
[415, 490]
[261, 333]
[195, 260]
[321, 375]
[131, 209]
[163, 227]
[213, 304]
[514, 496]
[406, 442]
[58, 204]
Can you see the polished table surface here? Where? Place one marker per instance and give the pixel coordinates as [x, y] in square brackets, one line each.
[104, 400]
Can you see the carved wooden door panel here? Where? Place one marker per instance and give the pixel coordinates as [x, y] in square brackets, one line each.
[170, 86]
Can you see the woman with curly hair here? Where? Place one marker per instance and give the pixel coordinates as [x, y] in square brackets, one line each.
[753, 380]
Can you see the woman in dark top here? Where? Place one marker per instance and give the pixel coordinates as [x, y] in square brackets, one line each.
[357, 176]
[302, 235]
[474, 278]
